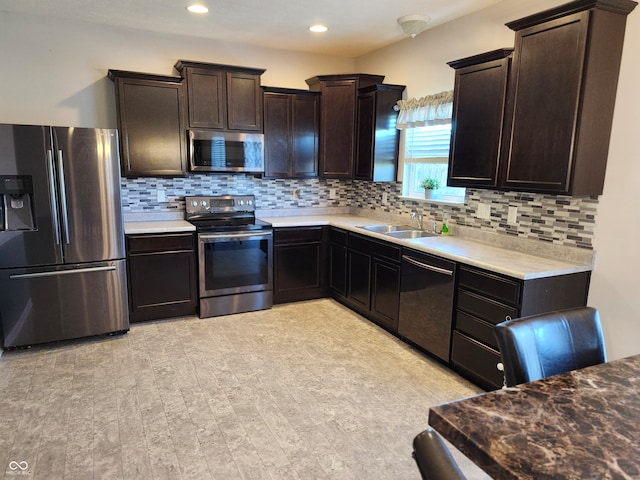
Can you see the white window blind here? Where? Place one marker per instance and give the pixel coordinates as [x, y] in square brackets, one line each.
[429, 142]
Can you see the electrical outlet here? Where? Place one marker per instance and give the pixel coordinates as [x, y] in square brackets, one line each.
[295, 194]
[332, 194]
[484, 211]
[385, 198]
[512, 216]
[162, 195]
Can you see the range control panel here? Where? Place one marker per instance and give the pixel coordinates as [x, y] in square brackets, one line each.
[219, 204]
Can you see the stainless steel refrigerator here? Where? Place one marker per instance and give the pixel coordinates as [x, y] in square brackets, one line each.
[62, 255]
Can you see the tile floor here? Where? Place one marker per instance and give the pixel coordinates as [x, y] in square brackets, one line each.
[305, 391]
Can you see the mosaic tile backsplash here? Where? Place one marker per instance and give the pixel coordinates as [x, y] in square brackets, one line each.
[556, 219]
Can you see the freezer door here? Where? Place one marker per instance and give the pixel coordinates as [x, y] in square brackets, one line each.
[26, 166]
[88, 170]
[40, 305]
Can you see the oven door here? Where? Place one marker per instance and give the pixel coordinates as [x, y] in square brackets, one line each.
[235, 262]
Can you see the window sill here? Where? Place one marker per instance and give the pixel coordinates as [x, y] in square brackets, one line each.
[443, 199]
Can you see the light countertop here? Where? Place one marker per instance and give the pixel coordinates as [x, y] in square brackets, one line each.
[158, 226]
[500, 260]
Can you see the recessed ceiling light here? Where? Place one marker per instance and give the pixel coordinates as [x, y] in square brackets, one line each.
[197, 9]
[318, 28]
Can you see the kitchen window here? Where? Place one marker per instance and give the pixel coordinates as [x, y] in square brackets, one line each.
[426, 155]
[425, 147]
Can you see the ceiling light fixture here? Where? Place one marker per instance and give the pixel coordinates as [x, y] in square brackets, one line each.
[414, 24]
[197, 9]
[318, 28]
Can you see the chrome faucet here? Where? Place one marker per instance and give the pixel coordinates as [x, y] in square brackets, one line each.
[418, 216]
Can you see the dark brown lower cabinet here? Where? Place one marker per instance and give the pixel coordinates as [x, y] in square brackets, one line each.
[338, 262]
[484, 299]
[162, 275]
[299, 264]
[373, 280]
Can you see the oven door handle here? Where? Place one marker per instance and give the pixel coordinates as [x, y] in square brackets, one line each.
[223, 236]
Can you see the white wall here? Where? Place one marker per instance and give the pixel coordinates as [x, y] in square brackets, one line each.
[54, 71]
[420, 63]
[615, 285]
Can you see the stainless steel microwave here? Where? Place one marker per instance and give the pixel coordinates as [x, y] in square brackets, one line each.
[232, 152]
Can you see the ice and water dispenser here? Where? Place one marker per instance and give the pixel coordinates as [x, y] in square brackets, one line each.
[16, 203]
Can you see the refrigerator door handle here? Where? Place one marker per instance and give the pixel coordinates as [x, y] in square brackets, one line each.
[54, 197]
[61, 272]
[63, 198]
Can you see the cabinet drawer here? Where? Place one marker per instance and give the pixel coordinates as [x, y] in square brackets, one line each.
[485, 308]
[297, 235]
[158, 243]
[500, 288]
[477, 361]
[476, 328]
[338, 236]
[371, 247]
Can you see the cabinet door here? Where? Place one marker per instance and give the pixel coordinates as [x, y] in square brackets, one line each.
[366, 127]
[377, 136]
[151, 118]
[547, 77]
[297, 272]
[244, 102]
[338, 272]
[206, 98]
[360, 279]
[479, 103]
[337, 134]
[305, 126]
[162, 276]
[277, 135]
[385, 297]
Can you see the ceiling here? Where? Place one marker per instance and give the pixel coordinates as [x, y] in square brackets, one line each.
[356, 27]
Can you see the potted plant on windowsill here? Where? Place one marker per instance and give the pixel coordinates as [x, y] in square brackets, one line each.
[430, 184]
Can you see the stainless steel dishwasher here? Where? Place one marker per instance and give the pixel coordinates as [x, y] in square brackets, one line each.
[426, 302]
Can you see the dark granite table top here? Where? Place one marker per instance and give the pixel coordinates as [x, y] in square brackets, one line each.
[582, 425]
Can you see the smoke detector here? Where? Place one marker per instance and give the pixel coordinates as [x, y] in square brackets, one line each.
[414, 24]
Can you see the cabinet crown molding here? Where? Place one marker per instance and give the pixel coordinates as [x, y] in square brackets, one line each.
[182, 64]
[481, 58]
[622, 7]
[113, 74]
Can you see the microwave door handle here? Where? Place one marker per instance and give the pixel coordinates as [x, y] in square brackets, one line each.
[54, 196]
[63, 198]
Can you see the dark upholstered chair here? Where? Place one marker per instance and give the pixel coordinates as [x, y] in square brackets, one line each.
[433, 457]
[543, 345]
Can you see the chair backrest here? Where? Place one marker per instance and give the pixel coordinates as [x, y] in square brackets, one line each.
[433, 457]
[539, 346]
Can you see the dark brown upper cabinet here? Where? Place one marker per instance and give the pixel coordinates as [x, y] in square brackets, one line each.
[377, 136]
[151, 119]
[338, 105]
[479, 97]
[562, 91]
[223, 97]
[291, 132]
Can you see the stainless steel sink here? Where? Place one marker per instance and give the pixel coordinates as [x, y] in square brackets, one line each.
[410, 234]
[386, 228]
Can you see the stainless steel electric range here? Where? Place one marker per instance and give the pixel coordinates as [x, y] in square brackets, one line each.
[235, 254]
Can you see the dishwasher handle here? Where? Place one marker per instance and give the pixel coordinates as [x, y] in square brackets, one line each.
[426, 266]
